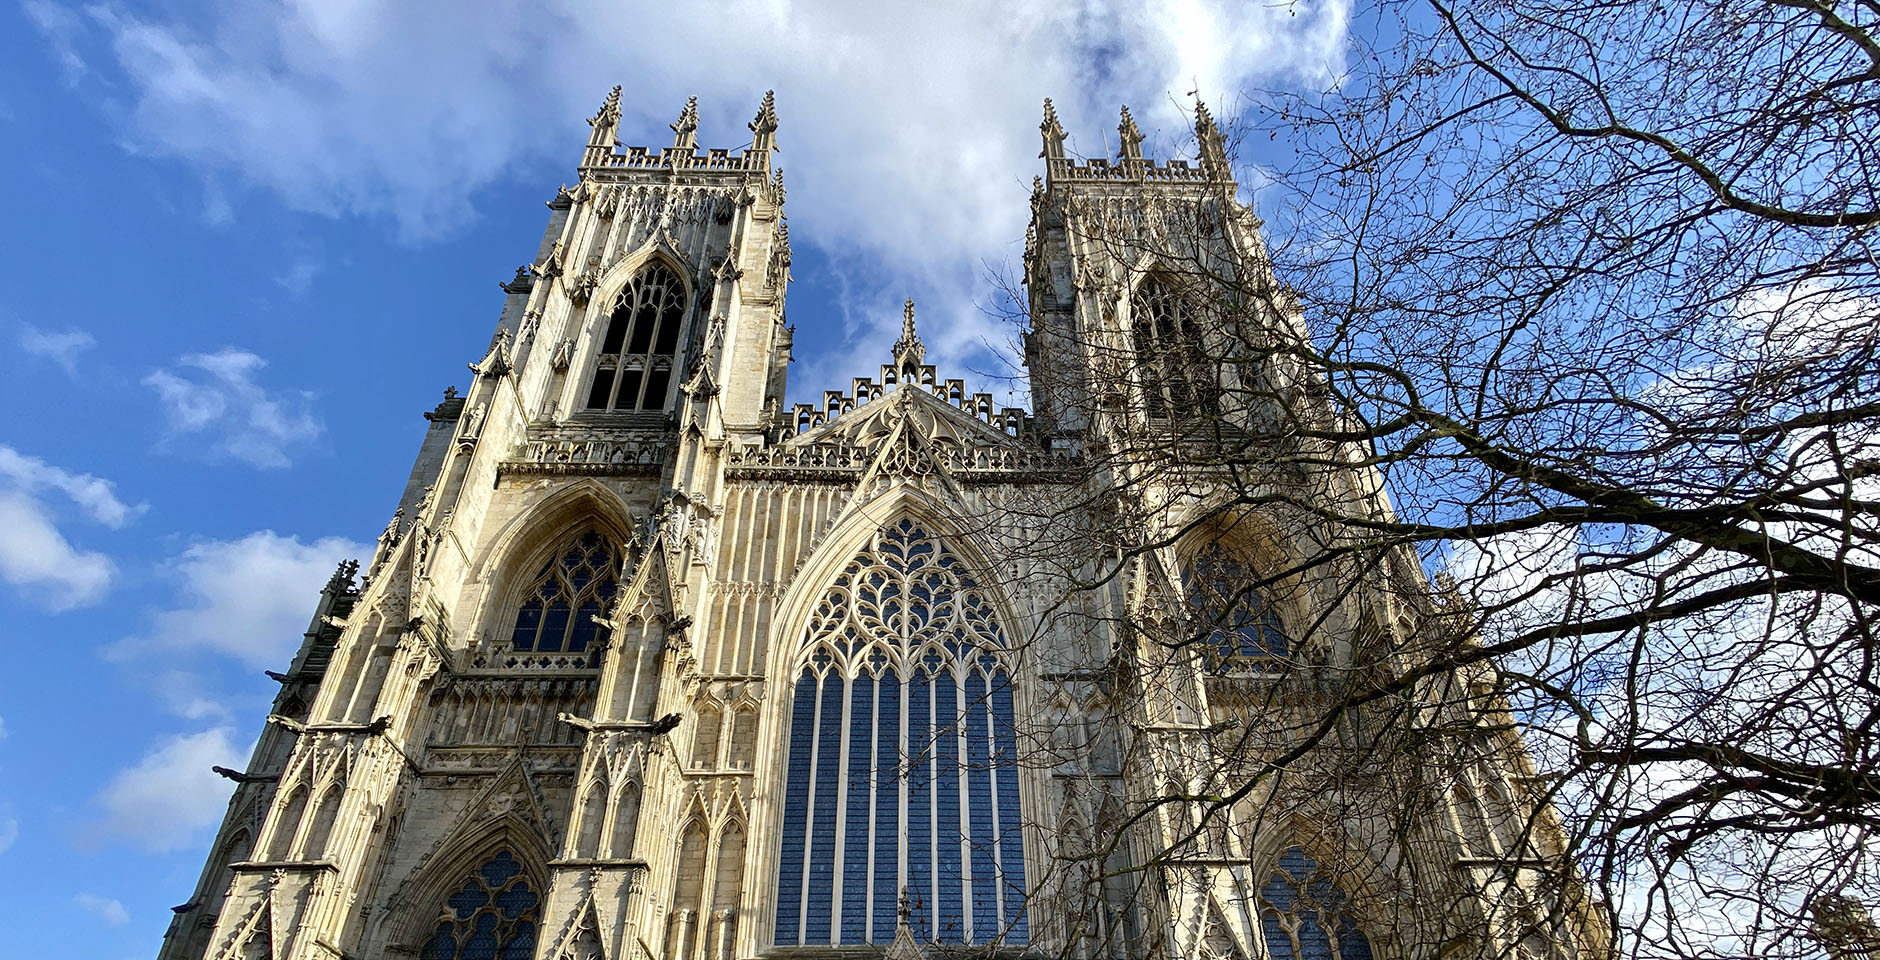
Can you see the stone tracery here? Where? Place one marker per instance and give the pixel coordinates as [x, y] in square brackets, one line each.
[905, 645]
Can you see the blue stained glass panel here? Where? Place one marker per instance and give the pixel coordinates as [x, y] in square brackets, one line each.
[920, 806]
[985, 890]
[822, 829]
[796, 811]
[887, 806]
[1011, 825]
[855, 827]
[949, 906]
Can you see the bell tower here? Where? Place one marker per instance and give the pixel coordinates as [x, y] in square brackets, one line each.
[460, 756]
[1149, 289]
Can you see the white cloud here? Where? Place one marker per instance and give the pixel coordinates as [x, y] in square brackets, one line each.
[165, 800]
[108, 910]
[909, 130]
[96, 496]
[60, 346]
[35, 555]
[248, 599]
[215, 395]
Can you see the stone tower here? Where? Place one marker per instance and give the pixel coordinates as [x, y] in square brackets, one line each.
[647, 665]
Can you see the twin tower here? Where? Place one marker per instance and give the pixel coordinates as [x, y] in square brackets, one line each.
[651, 665]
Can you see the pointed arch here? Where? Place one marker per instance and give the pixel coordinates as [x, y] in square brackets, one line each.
[634, 347]
[1305, 913]
[743, 752]
[707, 725]
[539, 600]
[1167, 330]
[902, 700]
[626, 821]
[530, 537]
[287, 823]
[421, 905]
[688, 889]
[320, 830]
[593, 813]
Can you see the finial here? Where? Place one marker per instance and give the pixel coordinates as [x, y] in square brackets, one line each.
[685, 130]
[1129, 137]
[908, 351]
[1053, 133]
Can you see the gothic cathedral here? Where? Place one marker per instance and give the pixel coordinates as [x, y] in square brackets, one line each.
[649, 665]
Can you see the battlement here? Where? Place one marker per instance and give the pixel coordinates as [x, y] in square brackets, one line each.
[1013, 421]
[604, 152]
[671, 158]
[1130, 166]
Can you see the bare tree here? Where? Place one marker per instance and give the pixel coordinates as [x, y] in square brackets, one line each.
[1591, 290]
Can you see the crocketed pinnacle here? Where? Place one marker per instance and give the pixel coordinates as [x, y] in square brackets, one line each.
[1129, 137]
[610, 110]
[685, 129]
[1052, 131]
[766, 121]
[909, 352]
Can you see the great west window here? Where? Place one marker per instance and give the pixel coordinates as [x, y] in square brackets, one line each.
[902, 758]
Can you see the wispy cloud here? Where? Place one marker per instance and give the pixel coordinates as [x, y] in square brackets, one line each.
[215, 397]
[246, 599]
[35, 555]
[59, 346]
[108, 910]
[170, 795]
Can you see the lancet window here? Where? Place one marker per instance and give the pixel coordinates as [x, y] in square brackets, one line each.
[634, 369]
[1238, 626]
[572, 588]
[493, 915]
[1174, 370]
[1304, 916]
[902, 770]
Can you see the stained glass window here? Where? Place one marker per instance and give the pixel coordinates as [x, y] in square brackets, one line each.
[1173, 367]
[562, 602]
[904, 654]
[634, 369]
[493, 916]
[1239, 627]
[1303, 916]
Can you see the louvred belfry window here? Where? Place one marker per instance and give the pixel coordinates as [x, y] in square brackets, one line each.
[902, 771]
[1178, 378]
[573, 587]
[634, 369]
[1241, 630]
[494, 915]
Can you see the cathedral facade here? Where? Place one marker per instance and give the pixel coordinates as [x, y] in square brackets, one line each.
[649, 665]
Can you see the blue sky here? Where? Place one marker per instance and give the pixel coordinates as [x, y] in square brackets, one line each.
[249, 243]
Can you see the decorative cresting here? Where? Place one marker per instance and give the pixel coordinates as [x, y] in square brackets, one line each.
[1303, 915]
[493, 916]
[634, 369]
[1242, 632]
[1175, 372]
[902, 758]
[555, 626]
